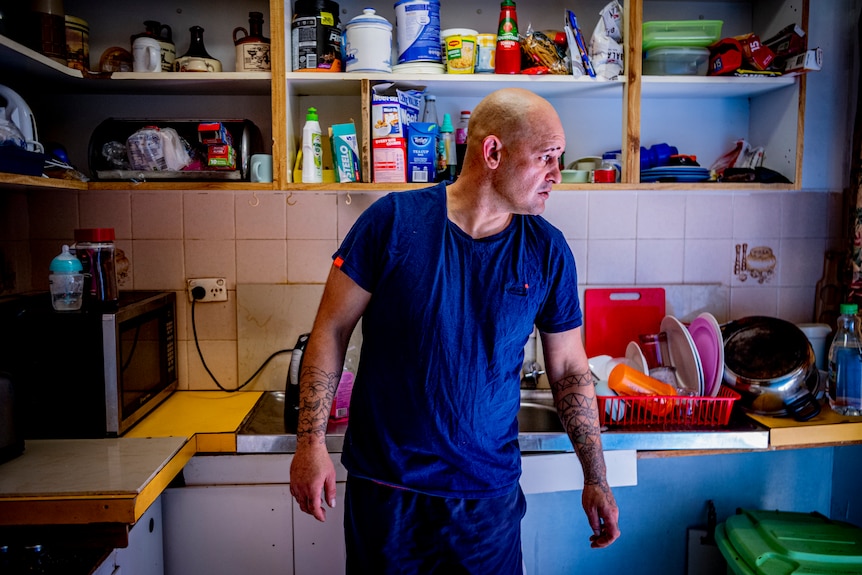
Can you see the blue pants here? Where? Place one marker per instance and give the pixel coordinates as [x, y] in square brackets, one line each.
[390, 530]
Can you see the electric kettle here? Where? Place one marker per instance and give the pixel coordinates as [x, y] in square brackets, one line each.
[291, 392]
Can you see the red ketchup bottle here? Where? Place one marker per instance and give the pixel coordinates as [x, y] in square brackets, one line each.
[508, 55]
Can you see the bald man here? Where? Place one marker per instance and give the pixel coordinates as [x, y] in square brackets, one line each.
[450, 281]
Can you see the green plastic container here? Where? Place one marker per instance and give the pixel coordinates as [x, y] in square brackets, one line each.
[676, 33]
[785, 543]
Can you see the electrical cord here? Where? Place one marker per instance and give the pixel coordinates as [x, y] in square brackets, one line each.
[198, 293]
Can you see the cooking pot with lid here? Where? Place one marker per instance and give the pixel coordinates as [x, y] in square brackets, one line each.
[771, 363]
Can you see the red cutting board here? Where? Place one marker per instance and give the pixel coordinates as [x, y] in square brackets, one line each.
[615, 316]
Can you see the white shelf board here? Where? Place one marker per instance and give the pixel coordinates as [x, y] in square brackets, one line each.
[710, 86]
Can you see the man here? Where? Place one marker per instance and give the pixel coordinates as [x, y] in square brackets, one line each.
[449, 281]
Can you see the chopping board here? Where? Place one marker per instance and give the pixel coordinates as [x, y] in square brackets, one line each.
[615, 316]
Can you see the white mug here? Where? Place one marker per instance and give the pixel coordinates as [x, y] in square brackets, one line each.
[195, 64]
[260, 168]
[147, 55]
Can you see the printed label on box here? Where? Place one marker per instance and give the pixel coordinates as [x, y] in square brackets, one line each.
[390, 160]
[421, 152]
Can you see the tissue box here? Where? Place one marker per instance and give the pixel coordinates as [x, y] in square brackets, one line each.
[394, 106]
[345, 152]
[214, 134]
[221, 157]
[390, 160]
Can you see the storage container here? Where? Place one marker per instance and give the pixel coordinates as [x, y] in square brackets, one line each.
[699, 33]
[758, 542]
[676, 61]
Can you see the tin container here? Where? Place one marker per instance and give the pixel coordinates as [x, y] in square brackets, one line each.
[77, 43]
[417, 30]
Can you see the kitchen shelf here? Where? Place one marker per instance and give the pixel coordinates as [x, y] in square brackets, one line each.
[711, 86]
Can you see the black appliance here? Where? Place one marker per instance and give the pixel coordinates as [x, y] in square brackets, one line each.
[291, 388]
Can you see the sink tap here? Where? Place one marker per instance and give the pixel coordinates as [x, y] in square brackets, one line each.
[532, 371]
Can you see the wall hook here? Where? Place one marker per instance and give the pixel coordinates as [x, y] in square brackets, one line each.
[289, 196]
[348, 200]
[255, 202]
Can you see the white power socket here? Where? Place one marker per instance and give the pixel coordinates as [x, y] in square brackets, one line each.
[215, 289]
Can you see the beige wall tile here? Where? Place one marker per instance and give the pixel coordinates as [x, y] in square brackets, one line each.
[220, 358]
[567, 211]
[801, 261]
[158, 264]
[804, 215]
[124, 255]
[796, 304]
[41, 254]
[610, 262]
[107, 209]
[53, 215]
[313, 216]
[613, 215]
[708, 261]
[211, 259]
[579, 251]
[209, 215]
[709, 216]
[757, 215]
[157, 215]
[745, 301]
[309, 261]
[182, 366]
[661, 216]
[261, 215]
[213, 320]
[261, 261]
[659, 262]
[14, 216]
[348, 213]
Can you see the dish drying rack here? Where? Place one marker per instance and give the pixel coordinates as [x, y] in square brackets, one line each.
[667, 411]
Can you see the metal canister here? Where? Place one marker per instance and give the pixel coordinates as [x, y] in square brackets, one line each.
[315, 34]
[77, 43]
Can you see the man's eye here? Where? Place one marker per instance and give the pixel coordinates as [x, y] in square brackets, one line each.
[547, 158]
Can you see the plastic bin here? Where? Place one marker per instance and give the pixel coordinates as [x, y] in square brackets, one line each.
[758, 542]
[676, 61]
[697, 33]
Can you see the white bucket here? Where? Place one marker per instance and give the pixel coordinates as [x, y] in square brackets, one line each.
[417, 29]
[368, 43]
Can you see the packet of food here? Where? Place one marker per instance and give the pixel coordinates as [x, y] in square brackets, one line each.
[606, 44]
[543, 51]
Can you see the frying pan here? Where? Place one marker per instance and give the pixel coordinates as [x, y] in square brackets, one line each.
[771, 364]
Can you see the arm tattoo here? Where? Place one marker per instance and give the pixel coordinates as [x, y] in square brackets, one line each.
[580, 416]
[317, 389]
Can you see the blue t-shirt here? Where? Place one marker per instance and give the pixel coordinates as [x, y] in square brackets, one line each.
[435, 400]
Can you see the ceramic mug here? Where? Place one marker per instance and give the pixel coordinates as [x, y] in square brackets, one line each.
[194, 64]
[146, 55]
[260, 168]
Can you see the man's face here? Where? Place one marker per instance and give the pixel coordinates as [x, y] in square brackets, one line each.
[529, 167]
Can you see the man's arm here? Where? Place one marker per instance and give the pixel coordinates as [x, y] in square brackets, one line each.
[312, 475]
[575, 398]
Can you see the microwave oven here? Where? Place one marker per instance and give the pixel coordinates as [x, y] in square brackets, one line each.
[88, 373]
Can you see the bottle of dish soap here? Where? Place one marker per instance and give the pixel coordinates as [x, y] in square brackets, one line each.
[845, 363]
[312, 149]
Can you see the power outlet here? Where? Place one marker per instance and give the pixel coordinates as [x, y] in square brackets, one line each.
[215, 289]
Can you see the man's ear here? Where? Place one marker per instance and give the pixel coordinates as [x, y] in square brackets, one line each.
[492, 149]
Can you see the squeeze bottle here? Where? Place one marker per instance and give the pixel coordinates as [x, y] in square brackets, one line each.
[845, 363]
[461, 140]
[447, 136]
[312, 150]
[507, 59]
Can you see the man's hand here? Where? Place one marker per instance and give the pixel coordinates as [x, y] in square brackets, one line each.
[312, 480]
[602, 513]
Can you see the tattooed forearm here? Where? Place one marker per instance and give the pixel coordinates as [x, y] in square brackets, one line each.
[316, 391]
[579, 413]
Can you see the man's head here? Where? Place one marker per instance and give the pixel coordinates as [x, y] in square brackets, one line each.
[513, 149]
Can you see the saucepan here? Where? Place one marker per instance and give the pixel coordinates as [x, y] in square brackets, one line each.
[772, 365]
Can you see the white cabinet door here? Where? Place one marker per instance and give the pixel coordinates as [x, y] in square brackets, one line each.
[144, 554]
[228, 530]
[319, 547]
[108, 566]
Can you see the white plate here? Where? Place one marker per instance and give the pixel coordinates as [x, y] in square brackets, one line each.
[706, 334]
[683, 354]
[636, 358]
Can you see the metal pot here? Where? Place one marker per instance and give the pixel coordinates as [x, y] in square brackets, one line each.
[771, 364]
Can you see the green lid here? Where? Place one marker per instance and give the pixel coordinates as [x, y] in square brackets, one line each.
[505, 3]
[312, 114]
[65, 263]
[848, 309]
[447, 124]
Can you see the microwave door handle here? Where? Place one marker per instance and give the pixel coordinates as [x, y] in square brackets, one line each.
[110, 353]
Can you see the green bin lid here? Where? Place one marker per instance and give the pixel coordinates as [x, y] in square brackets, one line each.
[784, 543]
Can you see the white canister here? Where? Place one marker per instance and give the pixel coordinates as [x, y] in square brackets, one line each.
[146, 54]
[368, 43]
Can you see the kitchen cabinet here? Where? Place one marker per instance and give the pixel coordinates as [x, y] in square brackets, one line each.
[144, 554]
[319, 547]
[703, 116]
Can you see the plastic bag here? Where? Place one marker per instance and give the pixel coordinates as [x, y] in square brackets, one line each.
[606, 44]
[743, 155]
[155, 149]
[544, 52]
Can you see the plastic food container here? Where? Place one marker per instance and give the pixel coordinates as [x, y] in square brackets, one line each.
[698, 33]
[763, 542]
[676, 61]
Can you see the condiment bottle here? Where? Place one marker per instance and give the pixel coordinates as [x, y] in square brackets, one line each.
[66, 281]
[461, 140]
[845, 363]
[312, 149]
[447, 166]
[252, 49]
[507, 58]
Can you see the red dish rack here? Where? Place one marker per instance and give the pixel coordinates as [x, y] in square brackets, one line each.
[667, 411]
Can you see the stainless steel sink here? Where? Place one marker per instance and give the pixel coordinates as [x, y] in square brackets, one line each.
[538, 418]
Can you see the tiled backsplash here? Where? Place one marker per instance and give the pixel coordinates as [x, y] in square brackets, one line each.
[618, 237]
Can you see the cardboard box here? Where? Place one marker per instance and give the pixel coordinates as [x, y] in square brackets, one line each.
[394, 106]
[221, 157]
[808, 61]
[214, 134]
[390, 160]
[421, 152]
[345, 152]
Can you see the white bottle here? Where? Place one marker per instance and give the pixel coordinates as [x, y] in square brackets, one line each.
[312, 150]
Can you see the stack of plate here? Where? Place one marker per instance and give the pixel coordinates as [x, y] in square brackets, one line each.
[675, 174]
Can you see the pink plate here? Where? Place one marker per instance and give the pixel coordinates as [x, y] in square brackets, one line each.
[706, 334]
